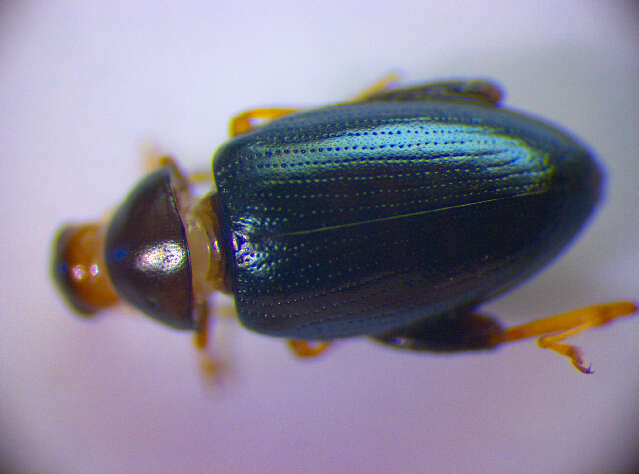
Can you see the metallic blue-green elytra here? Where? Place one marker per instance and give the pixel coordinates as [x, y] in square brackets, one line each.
[361, 218]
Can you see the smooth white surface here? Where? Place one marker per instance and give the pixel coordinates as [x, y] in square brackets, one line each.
[83, 84]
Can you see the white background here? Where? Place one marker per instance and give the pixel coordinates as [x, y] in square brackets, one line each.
[82, 84]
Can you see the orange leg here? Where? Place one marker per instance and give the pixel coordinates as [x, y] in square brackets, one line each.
[210, 366]
[556, 328]
[382, 84]
[251, 119]
[201, 336]
[153, 159]
[306, 348]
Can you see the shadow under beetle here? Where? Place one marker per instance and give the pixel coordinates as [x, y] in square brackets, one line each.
[393, 215]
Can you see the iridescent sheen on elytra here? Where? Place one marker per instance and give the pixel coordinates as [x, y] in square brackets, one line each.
[360, 218]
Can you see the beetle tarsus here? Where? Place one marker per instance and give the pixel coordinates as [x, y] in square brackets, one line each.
[554, 329]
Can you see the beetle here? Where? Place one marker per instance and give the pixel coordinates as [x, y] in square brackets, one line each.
[393, 215]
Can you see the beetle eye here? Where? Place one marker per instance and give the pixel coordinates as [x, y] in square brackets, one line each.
[79, 270]
[147, 253]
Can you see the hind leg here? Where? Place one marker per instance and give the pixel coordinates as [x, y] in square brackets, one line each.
[456, 331]
[467, 331]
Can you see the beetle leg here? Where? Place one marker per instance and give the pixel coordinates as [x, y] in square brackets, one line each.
[380, 91]
[307, 348]
[475, 90]
[556, 328]
[210, 366]
[251, 119]
[382, 85]
[464, 331]
[201, 336]
[455, 331]
[153, 159]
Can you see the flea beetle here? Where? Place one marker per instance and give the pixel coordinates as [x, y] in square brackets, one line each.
[393, 215]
